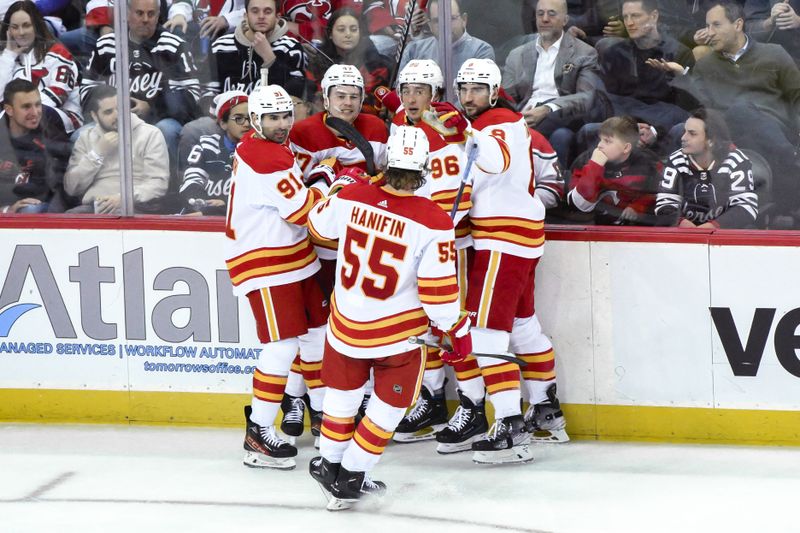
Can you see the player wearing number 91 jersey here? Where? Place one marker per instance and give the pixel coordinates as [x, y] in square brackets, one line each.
[271, 261]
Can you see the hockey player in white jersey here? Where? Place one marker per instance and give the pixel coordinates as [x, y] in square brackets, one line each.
[507, 222]
[395, 274]
[420, 85]
[271, 261]
[322, 152]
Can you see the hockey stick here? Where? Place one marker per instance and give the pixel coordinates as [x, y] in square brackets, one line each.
[471, 156]
[504, 356]
[401, 48]
[350, 133]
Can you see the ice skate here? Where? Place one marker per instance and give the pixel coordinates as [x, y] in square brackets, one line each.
[428, 416]
[506, 442]
[351, 488]
[294, 409]
[545, 421]
[324, 472]
[316, 424]
[362, 409]
[263, 448]
[467, 425]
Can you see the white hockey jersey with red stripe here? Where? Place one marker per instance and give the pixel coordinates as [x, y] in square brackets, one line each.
[506, 216]
[447, 164]
[268, 208]
[395, 269]
[549, 181]
[312, 141]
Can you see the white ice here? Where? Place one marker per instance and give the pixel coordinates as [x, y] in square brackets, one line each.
[173, 479]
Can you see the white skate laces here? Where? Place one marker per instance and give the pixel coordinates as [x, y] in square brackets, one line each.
[270, 437]
[419, 410]
[296, 411]
[460, 418]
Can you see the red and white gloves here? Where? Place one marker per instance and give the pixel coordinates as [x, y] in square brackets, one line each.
[388, 98]
[448, 121]
[326, 171]
[348, 176]
[458, 339]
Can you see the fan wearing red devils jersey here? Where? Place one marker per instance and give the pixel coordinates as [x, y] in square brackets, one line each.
[272, 262]
[617, 181]
[708, 183]
[395, 274]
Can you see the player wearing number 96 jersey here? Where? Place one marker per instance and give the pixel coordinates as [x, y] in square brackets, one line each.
[395, 273]
[271, 261]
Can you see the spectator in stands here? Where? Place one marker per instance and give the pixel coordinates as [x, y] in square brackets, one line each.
[94, 170]
[163, 80]
[199, 22]
[554, 79]
[634, 88]
[757, 87]
[617, 181]
[347, 42]
[32, 155]
[261, 40]
[207, 180]
[31, 52]
[775, 21]
[97, 22]
[464, 46]
[708, 183]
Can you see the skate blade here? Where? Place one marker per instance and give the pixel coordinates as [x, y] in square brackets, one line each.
[325, 491]
[316, 442]
[258, 460]
[445, 448]
[552, 436]
[340, 504]
[517, 454]
[427, 433]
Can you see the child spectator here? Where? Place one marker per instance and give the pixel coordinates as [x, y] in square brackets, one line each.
[207, 180]
[31, 52]
[619, 181]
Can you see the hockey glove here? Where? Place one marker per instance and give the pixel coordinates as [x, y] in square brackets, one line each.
[348, 176]
[325, 171]
[448, 121]
[388, 98]
[457, 340]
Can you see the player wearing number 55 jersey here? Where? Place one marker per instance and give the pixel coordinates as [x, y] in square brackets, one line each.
[271, 261]
[707, 183]
[395, 274]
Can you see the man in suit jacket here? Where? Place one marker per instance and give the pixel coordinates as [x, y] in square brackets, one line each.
[554, 78]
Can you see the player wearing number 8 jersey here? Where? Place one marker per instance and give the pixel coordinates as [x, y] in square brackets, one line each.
[395, 273]
[508, 236]
[271, 261]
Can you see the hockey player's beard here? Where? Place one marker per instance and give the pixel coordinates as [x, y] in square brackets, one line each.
[279, 136]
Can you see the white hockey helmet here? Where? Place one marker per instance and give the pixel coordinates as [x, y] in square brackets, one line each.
[408, 149]
[422, 71]
[268, 99]
[341, 75]
[483, 71]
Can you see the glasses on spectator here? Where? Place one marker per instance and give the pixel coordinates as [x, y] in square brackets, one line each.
[240, 119]
[453, 18]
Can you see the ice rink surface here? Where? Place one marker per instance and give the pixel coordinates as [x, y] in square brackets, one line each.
[171, 479]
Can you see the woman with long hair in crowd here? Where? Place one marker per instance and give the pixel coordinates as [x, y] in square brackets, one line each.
[30, 51]
[347, 42]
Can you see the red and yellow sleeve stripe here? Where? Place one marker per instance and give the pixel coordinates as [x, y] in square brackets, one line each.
[300, 217]
[446, 199]
[438, 290]
[375, 333]
[519, 231]
[270, 261]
